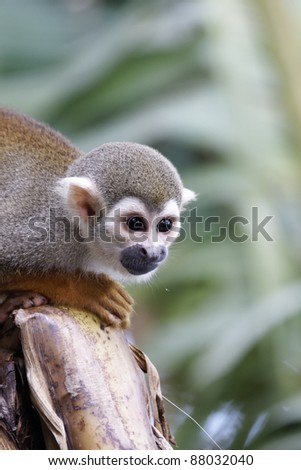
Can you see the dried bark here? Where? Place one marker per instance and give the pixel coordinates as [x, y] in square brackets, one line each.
[83, 381]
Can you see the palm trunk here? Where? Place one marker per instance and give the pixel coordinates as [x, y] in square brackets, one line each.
[85, 384]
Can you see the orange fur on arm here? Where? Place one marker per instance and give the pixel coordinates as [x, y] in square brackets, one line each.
[97, 294]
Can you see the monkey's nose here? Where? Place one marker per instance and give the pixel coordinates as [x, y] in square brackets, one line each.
[153, 254]
[140, 259]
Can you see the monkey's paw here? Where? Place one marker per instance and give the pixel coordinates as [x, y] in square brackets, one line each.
[113, 304]
[17, 300]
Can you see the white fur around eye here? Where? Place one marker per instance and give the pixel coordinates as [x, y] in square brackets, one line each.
[130, 205]
[171, 209]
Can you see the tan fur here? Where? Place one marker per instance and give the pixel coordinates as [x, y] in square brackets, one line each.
[97, 294]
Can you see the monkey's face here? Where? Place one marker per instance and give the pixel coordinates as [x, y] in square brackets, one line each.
[129, 240]
[135, 238]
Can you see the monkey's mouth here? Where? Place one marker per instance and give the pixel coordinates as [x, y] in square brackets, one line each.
[137, 268]
[137, 261]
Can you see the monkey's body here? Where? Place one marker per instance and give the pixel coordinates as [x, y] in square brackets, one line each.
[32, 159]
[45, 180]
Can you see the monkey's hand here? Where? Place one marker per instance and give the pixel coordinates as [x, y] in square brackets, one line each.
[20, 300]
[101, 295]
[94, 293]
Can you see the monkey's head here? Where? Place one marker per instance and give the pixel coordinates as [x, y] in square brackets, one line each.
[125, 199]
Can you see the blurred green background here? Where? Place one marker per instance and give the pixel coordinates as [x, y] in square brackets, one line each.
[214, 85]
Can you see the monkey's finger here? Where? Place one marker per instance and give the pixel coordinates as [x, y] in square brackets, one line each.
[123, 293]
[117, 306]
[30, 299]
[118, 298]
[113, 289]
[38, 300]
[7, 307]
[20, 300]
[26, 303]
[110, 317]
[12, 303]
[118, 310]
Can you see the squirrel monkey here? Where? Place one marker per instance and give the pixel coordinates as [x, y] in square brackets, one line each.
[72, 224]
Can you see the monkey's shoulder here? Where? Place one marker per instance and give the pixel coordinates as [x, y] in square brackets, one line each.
[21, 136]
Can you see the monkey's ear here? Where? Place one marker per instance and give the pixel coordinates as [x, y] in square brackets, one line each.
[188, 196]
[80, 195]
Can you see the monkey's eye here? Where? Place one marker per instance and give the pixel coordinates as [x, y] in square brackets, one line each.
[136, 223]
[164, 225]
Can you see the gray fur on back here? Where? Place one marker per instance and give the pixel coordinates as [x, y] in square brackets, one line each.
[32, 159]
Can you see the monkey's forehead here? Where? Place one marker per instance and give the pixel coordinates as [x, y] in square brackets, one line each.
[127, 169]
